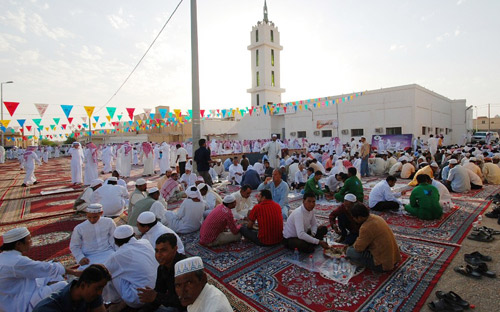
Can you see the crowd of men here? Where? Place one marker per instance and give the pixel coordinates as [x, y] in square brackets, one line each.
[142, 265]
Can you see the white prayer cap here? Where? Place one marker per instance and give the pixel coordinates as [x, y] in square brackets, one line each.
[189, 167]
[140, 182]
[218, 160]
[123, 231]
[229, 199]
[274, 135]
[15, 235]
[434, 164]
[153, 190]
[188, 265]
[200, 186]
[350, 197]
[96, 182]
[94, 208]
[76, 143]
[192, 192]
[472, 159]
[200, 179]
[114, 179]
[400, 159]
[146, 217]
[169, 170]
[452, 161]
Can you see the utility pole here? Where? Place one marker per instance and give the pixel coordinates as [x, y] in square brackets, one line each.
[195, 80]
[489, 121]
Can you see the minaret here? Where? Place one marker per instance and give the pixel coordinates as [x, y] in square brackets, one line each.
[265, 49]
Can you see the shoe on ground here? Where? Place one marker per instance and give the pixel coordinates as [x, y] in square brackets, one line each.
[24, 185]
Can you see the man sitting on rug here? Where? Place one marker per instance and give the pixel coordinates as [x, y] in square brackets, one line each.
[279, 190]
[347, 228]
[139, 193]
[235, 172]
[147, 204]
[491, 172]
[375, 247]
[243, 202]
[269, 216]
[352, 185]
[83, 294]
[189, 217]
[84, 199]
[251, 177]
[172, 190]
[301, 230]
[92, 240]
[163, 296]
[430, 170]
[25, 282]
[112, 197]
[210, 197]
[458, 180]
[475, 181]
[119, 181]
[132, 266]
[151, 229]
[193, 290]
[188, 178]
[213, 230]
[383, 198]
[312, 185]
[424, 200]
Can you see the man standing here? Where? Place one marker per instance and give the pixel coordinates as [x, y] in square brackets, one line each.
[181, 158]
[203, 160]
[2, 154]
[107, 159]
[364, 154]
[151, 229]
[91, 162]
[382, 198]
[125, 154]
[92, 241]
[193, 290]
[279, 190]
[167, 255]
[165, 157]
[29, 157]
[212, 232]
[112, 197]
[147, 159]
[76, 163]
[301, 229]
[273, 150]
[433, 143]
[270, 219]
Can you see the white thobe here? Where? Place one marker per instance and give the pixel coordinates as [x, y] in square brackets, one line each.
[148, 163]
[132, 266]
[159, 209]
[165, 158]
[382, 192]
[158, 230]
[433, 145]
[444, 194]
[135, 157]
[2, 154]
[112, 198]
[243, 206]
[210, 299]
[187, 219]
[93, 241]
[29, 166]
[56, 152]
[91, 172]
[273, 149]
[76, 164]
[23, 282]
[233, 176]
[107, 160]
[156, 151]
[126, 162]
[188, 179]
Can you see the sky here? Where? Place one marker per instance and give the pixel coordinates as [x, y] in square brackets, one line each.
[80, 52]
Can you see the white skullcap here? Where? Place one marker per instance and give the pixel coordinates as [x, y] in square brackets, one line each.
[350, 197]
[400, 159]
[434, 164]
[188, 265]
[200, 179]
[15, 235]
[200, 186]
[229, 199]
[114, 179]
[192, 192]
[140, 182]
[189, 167]
[274, 135]
[96, 182]
[146, 217]
[169, 169]
[453, 161]
[94, 208]
[153, 190]
[123, 231]
[472, 159]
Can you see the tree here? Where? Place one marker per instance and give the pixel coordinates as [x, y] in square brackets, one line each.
[48, 142]
[69, 140]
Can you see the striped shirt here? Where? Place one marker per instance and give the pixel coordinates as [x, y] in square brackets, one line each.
[270, 220]
[216, 222]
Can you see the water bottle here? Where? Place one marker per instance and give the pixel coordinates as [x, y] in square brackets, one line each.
[479, 219]
[296, 254]
[335, 266]
[311, 263]
[343, 265]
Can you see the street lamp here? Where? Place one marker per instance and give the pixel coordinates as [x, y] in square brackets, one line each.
[1, 105]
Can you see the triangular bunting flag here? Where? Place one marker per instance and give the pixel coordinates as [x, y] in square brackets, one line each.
[84, 119]
[11, 107]
[89, 110]
[130, 112]
[147, 111]
[96, 118]
[94, 124]
[21, 122]
[70, 120]
[64, 126]
[56, 120]
[163, 112]
[28, 127]
[119, 117]
[67, 109]
[108, 118]
[5, 123]
[41, 108]
[37, 122]
[152, 115]
[111, 111]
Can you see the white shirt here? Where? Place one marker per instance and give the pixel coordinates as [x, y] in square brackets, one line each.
[299, 222]
[189, 179]
[210, 299]
[300, 176]
[210, 199]
[243, 206]
[395, 168]
[182, 153]
[459, 178]
[259, 167]
[382, 192]
[189, 216]
[158, 209]
[90, 239]
[333, 184]
[474, 178]
[111, 197]
[158, 230]
[232, 173]
[17, 279]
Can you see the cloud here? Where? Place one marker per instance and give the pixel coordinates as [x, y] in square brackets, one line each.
[119, 21]
[7, 40]
[427, 17]
[17, 21]
[86, 53]
[395, 47]
[457, 32]
[459, 2]
[39, 27]
[442, 37]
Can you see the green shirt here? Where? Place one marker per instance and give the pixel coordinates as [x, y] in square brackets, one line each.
[139, 207]
[313, 187]
[424, 202]
[351, 186]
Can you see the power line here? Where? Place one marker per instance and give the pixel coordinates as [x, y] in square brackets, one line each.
[145, 53]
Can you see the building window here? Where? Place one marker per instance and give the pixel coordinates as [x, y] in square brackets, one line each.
[258, 100]
[424, 130]
[437, 130]
[301, 134]
[272, 78]
[258, 79]
[393, 130]
[357, 132]
[326, 133]
[256, 35]
[272, 36]
[256, 57]
[483, 122]
[272, 57]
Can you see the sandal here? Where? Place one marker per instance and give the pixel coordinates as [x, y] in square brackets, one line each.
[442, 305]
[482, 269]
[488, 230]
[478, 255]
[452, 298]
[480, 236]
[467, 270]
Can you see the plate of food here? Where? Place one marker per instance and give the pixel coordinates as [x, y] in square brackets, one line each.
[335, 251]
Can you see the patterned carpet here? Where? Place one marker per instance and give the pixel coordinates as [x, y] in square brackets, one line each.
[259, 278]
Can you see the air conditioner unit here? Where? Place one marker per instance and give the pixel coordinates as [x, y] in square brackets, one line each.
[316, 133]
[450, 130]
[293, 134]
[379, 130]
[345, 131]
